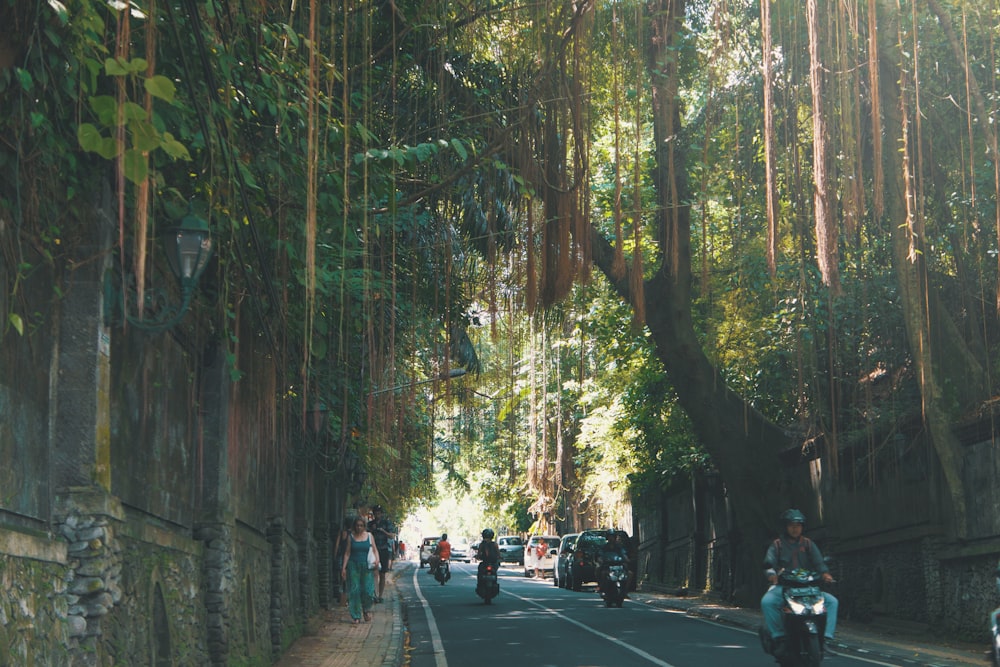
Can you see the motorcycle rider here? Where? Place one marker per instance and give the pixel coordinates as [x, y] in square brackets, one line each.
[793, 551]
[488, 551]
[612, 548]
[442, 552]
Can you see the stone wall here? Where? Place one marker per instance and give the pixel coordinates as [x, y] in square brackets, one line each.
[160, 611]
[34, 605]
[894, 554]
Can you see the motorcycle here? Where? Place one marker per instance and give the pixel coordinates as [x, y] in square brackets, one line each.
[487, 585]
[614, 580]
[995, 628]
[995, 636]
[442, 572]
[804, 616]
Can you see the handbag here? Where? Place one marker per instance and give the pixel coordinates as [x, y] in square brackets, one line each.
[372, 558]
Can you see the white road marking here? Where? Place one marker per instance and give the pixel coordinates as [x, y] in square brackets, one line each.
[439, 658]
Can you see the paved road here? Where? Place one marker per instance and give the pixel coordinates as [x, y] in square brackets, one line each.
[536, 624]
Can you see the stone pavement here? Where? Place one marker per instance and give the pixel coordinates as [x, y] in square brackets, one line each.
[332, 641]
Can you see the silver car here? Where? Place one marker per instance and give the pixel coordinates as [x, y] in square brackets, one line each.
[460, 550]
[511, 549]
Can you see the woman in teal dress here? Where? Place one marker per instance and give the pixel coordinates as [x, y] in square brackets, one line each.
[359, 577]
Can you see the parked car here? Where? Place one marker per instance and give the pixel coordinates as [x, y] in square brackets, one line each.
[427, 548]
[586, 553]
[559, 571]
[511, 549]
[547, 561]
[460, 550]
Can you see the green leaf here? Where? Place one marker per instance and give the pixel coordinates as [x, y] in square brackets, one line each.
[137, 65]
[60, 10]
[136, 166]
[460, 149]
[36, 119]
[24, 76]
[161, 87]
[115, 67]
[133, 111]
[106, 109]
[425, 151]
[108, 148]
[292, 37]
[144, 136]
[89, 137]
[16, 322]
[174, 148]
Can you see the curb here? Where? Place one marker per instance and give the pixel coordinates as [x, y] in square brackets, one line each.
[394, 652]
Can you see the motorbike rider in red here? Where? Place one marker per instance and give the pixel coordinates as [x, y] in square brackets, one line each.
[793, 551]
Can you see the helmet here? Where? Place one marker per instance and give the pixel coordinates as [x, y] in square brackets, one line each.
[377, 508]
[488, 534]
[793, 516]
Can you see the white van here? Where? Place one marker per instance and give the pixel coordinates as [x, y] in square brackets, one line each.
[546, 563]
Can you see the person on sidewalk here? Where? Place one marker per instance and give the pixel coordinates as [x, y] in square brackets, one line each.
[385, 533]
[355, 571]
[541, 549]
[793, 551]
[339, 549]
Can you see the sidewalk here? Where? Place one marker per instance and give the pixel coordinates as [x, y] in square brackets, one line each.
[332, 641]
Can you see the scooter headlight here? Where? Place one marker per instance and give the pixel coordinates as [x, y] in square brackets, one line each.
[796, 606]
[819, 606]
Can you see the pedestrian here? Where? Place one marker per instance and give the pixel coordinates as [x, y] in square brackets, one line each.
[540, 550]
[339, 548]
[360, 578]
[384, 532]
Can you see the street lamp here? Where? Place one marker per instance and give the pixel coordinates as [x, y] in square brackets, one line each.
[188, 246]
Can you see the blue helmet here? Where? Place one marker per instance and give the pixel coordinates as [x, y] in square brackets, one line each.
[793, 516]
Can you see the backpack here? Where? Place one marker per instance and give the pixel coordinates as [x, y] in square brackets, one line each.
[805, 546]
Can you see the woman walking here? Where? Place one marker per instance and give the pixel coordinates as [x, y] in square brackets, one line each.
[359, 576]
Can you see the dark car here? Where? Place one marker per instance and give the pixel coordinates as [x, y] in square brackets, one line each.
[511, 549]
[586, 555]
[563, 558]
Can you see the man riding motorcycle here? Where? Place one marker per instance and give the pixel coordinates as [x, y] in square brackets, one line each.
[793, 551]
[488, 551]
[487, 586]
[613, 549]
[442, 551]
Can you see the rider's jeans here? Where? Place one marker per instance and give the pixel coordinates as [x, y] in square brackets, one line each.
[771, 603]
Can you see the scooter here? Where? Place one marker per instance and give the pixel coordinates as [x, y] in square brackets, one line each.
[995, 627]
[804, 615]
[442, 572]
[487, 585]
[614, 580]
[995, 637]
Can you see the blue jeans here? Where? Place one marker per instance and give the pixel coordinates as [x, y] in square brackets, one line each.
[771, 604]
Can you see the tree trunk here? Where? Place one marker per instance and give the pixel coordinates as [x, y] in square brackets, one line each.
[744, 444]
[910, 274]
